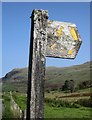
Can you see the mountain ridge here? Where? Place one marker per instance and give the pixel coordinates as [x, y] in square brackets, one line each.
[55, 76]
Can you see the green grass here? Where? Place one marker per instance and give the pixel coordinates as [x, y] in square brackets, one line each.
[59, 94]
[54, 112]
[7, 113]
[17, 78]
[0, 95]
[20, 99]
[50, 112]
[86, 90]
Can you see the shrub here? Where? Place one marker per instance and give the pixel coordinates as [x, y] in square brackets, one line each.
[60, 103]
[85, 102]
[75, 105]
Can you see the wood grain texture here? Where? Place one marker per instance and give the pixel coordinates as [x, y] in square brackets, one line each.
[37, 63]
[63, 40]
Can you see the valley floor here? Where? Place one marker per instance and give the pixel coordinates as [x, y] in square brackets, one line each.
[54, 107]
[54, 112]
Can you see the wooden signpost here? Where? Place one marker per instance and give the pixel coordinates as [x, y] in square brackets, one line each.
[48, 38]
[63, 40]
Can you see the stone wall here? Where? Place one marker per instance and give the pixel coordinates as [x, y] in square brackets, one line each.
[17, 112]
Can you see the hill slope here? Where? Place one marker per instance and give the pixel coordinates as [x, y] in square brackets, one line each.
[55, 77]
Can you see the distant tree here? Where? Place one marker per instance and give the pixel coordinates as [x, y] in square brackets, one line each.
[84, 84]
[68, 86]
[71, 85]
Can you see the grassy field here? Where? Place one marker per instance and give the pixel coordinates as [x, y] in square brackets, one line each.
[20, 99]
[59, 104]
[17, 79]
[49, 111]
[85, 90]
[0, 95]
[55, 106]
[80, 94]
[7, 113]
[56, 111]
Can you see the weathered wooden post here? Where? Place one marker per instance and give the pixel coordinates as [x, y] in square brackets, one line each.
[48, 38]
[37, 60]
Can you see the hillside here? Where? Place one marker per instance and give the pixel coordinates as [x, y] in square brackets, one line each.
[55, 77]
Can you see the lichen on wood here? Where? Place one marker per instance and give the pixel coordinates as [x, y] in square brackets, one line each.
[63, 40]
[37, 62]
[48, 38]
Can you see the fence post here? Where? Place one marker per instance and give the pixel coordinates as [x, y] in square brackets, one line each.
[36, 72]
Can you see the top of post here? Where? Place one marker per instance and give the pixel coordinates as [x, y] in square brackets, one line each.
[63, 39]
[38, 12]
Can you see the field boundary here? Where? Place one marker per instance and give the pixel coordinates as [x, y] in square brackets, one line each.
[16, 109]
